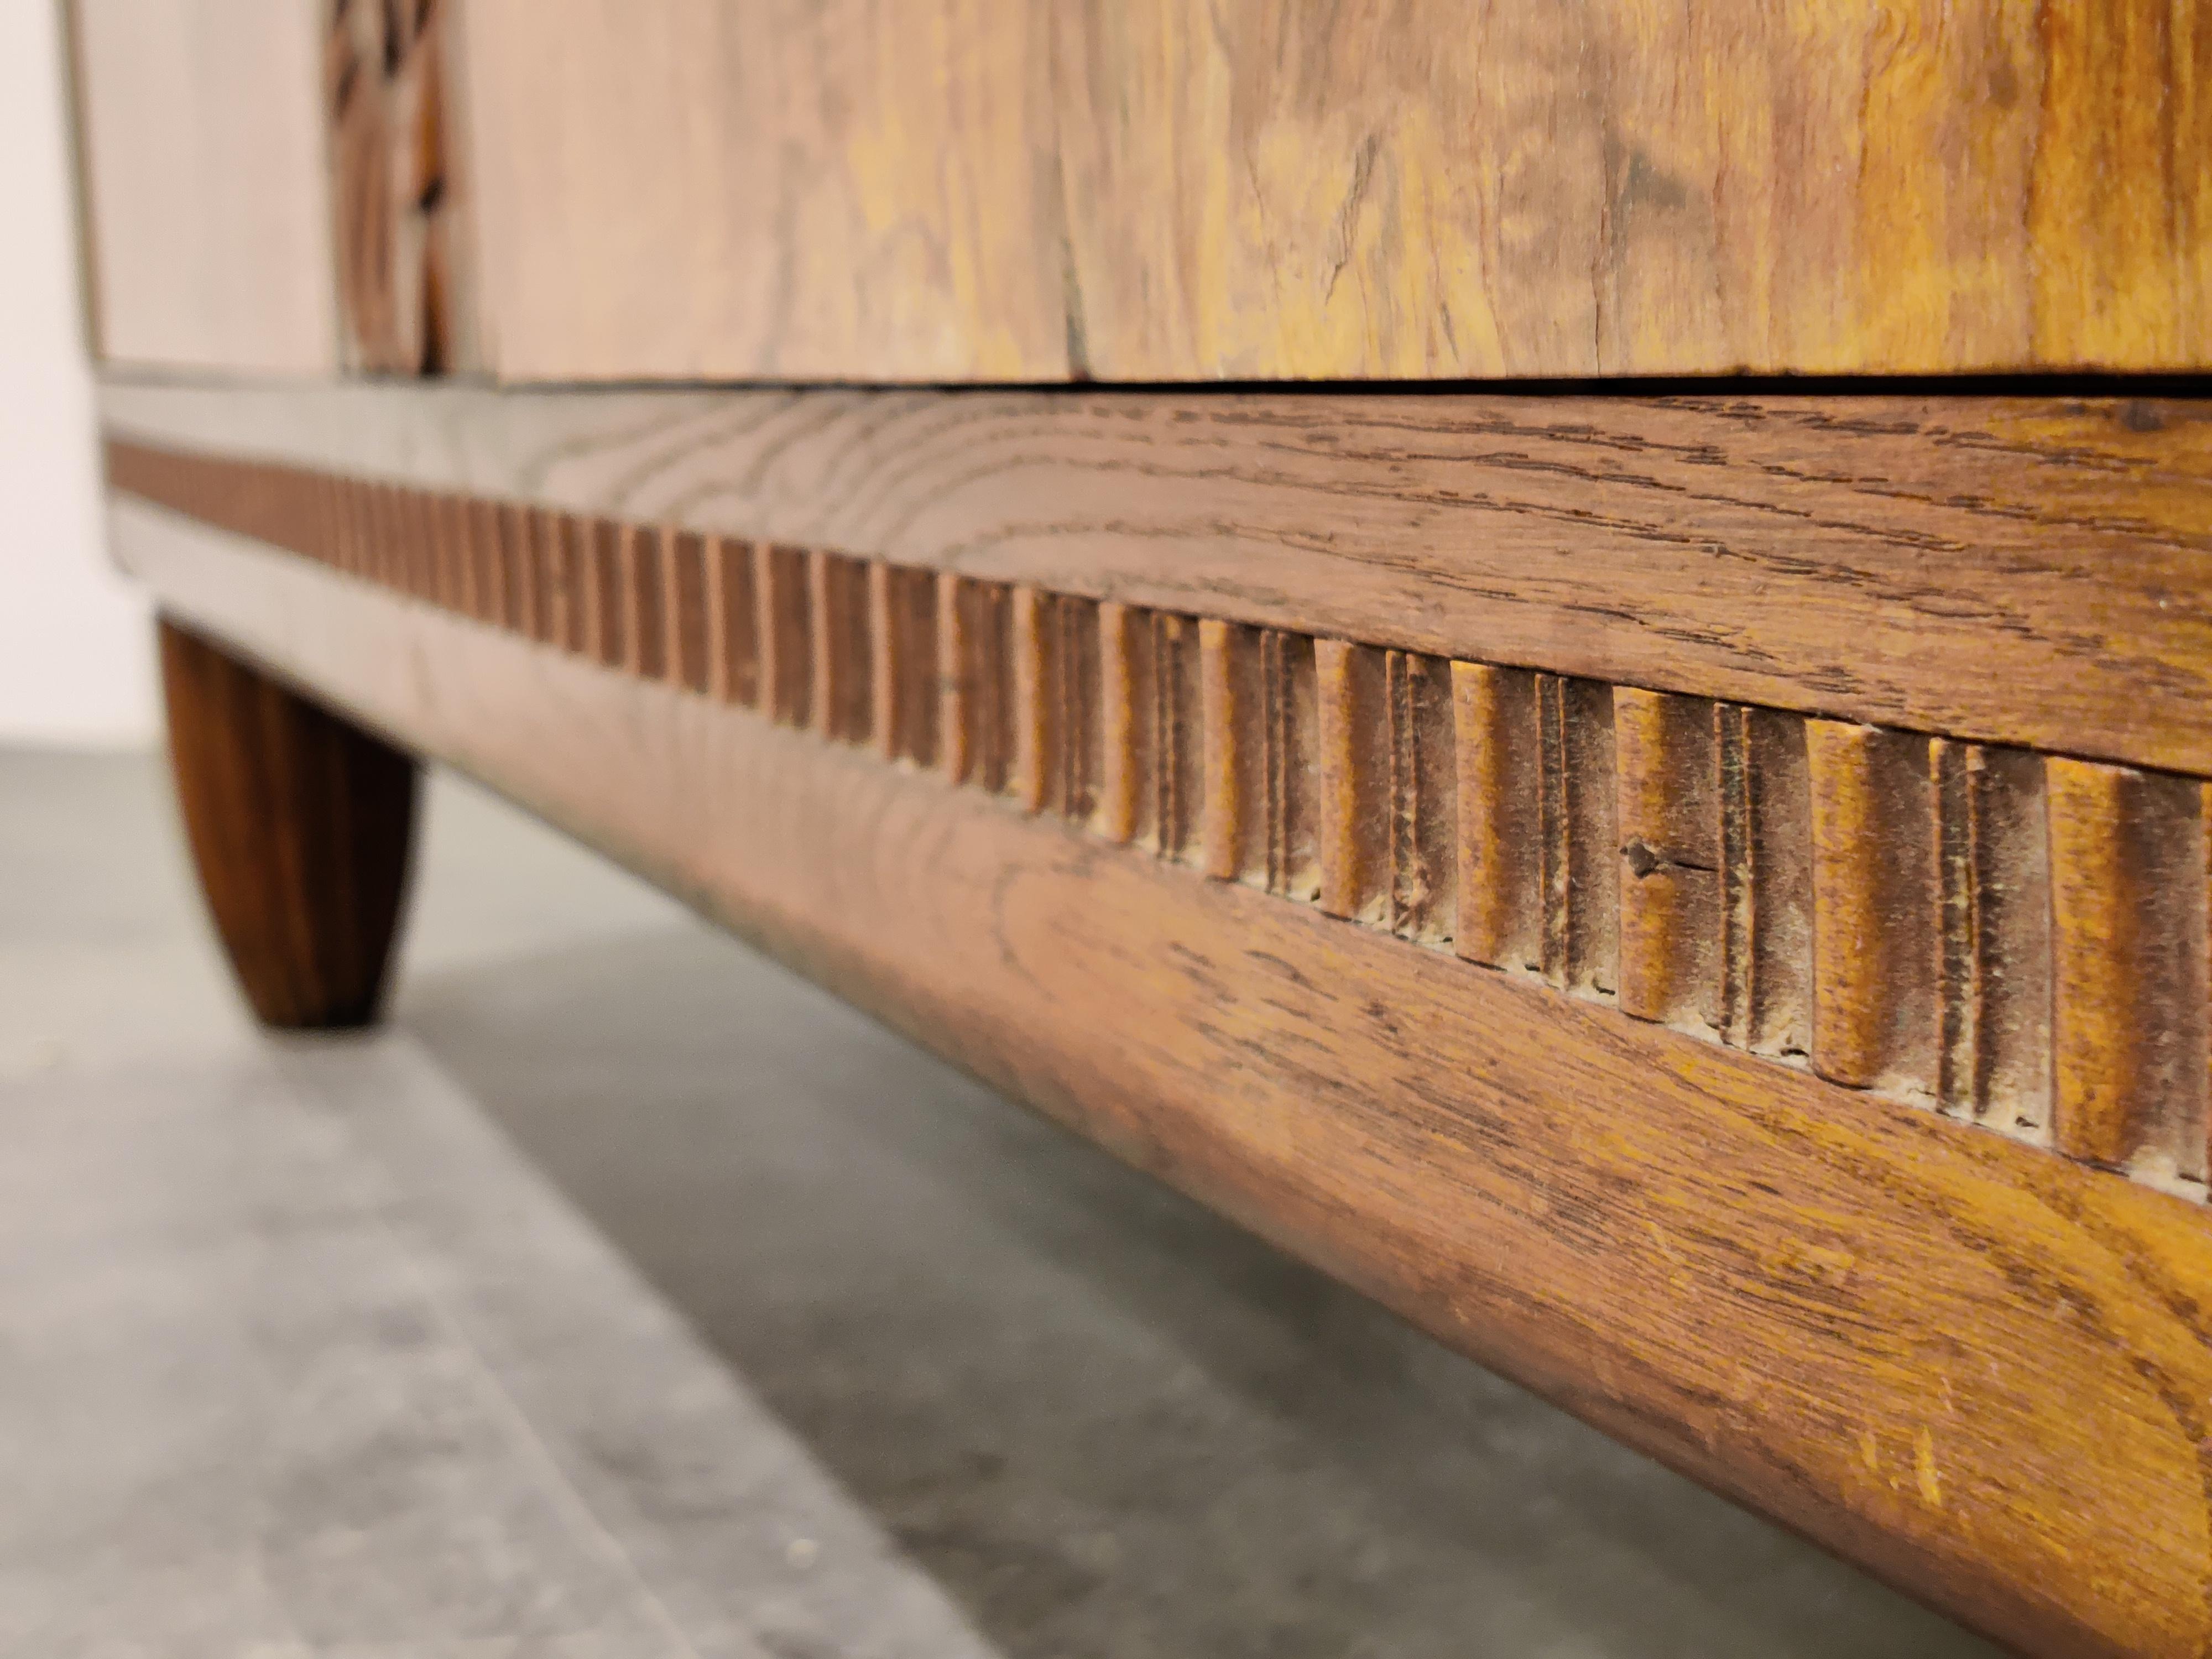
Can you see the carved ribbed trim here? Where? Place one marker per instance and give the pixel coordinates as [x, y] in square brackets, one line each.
[2013, 939]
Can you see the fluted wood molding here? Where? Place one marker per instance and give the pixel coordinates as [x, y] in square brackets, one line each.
[2016, 940]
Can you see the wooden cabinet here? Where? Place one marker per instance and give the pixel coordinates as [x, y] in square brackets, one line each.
[1695, 891]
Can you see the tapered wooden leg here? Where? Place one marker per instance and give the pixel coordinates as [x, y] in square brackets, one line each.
[301, 825]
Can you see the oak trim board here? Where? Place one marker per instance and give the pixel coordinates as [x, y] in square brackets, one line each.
[1973, 1367]
[2028, 571]
[1980, 930]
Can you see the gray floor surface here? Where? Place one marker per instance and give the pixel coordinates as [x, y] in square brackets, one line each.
[631, 1298]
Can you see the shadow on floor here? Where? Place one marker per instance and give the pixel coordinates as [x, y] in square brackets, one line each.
[1105, 1421]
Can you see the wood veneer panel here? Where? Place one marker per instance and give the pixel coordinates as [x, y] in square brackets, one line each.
[864, 181]
[1967, 1363]
[1145, 190]
[2011, 571]
[206, 198]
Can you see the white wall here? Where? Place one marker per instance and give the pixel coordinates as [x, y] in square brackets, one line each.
[75, 660]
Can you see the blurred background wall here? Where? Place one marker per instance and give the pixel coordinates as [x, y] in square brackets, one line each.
[76, 665]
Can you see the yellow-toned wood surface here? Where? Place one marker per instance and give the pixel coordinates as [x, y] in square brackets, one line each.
[205, 187]
[2010, 570]
[1041, 189]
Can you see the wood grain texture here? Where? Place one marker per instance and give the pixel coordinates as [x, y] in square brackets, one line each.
[861, 178]
[976, 676]
[606, 592]
[1353, 779]
[2128, 937]
[1142, 190]
[733, 637]
[1671, 936]
[786, 631]
[2013, 571]
[839, 703]
[1420, 746]
[1882, 902]
[1260, 715]
[1993, 867]
[1766, 988]
[903, 643]
[1976, 1367]
[1494, 725]
[1128, 790]
[402, 261]
[302, 828]
[1289, 742]
[1875, 907]
[572, 586]
[1036, 735]
[1172, 701]
[684, 620]
[1578, 835]
[644, 600]
[206, 201]
[1234, 738]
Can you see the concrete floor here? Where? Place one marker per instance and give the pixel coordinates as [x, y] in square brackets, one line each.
[630, 1298]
